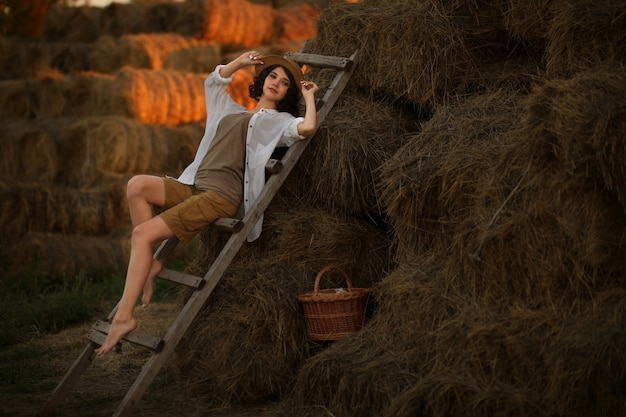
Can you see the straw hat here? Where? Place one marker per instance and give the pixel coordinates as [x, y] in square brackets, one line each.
[289, 65]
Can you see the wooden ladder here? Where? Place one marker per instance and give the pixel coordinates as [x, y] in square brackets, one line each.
[162, 348]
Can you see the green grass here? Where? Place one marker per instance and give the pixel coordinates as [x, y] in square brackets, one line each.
[39, 302]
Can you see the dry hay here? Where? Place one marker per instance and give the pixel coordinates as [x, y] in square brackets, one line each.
[431, 351]
[586, 34]
[585, 120]
[160, 97]
[85, 152]
[238, 23]
[152, 51]
[67, 254]
[164, 97]
[248, 342]
[518, 308]
[40, 207]
[431, 182]
[423, 53]
[115, 145]
[87, 24]
[28, 153]
[530, 21]
[72, 24]
[341, 165]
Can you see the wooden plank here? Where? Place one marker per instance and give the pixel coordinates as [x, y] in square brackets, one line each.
[69, 380]
[166, 247]
[323, 61]
[181, 278]
[226, 256]
[231, 225]
[273, 166]
[135, 337]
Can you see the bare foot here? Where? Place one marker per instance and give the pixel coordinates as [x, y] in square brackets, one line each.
[148, 287]
[118, 329]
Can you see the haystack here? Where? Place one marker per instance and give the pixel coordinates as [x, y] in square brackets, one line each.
[254, 320]
[508, 294]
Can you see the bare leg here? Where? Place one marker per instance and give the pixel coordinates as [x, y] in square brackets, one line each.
[142, 192]
[145, 234]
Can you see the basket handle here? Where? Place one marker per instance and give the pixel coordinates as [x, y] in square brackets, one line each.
[316, 288]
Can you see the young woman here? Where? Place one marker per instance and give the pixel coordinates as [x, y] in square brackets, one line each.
[227, 172]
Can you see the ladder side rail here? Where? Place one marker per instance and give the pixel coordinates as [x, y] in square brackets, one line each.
[229, 251]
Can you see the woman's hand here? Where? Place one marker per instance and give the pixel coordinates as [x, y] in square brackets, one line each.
[309, 125]
[250, 58]
[243, 60]
[308, 88]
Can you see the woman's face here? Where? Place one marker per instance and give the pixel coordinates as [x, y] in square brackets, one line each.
[276, 84]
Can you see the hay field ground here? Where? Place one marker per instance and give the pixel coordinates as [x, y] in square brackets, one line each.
[30, 371]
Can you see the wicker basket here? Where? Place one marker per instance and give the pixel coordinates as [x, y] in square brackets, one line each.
[333, 313]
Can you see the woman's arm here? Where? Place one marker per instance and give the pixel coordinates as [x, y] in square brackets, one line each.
[309, 125]
[243, 60]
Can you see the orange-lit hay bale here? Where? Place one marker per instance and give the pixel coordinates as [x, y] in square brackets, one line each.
[430, 184]
[159, 97]
[238, 23]
[149, 50]
[70, 255]
[254, 318]
[48, 208]
[29, 153]
[341, 165]
[585, 119]
[423, 53]
[585, 34]
[296, 22]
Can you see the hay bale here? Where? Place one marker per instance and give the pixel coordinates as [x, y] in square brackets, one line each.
[584, 119]
[238, 23]
[430, 184]
[152, 51]
[29, 153]
[341, 167]
[40, 207]
[255, 323]
[86, 152]
[423, 53]
[68, 255]
[72, 24]
[159, 97]
[99, 146]
[584, 35]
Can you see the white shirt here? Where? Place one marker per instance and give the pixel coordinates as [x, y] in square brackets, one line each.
[268, 129]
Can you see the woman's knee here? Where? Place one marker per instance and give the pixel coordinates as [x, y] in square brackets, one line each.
[143, 186]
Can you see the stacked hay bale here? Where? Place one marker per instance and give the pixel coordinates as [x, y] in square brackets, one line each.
[472, 177]
[92, 96]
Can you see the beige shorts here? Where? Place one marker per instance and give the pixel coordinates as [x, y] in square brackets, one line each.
[188, 210]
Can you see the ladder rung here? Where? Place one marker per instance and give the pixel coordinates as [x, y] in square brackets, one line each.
[273, 166]
[324, 61]
[182, 278]
[102, 327]
[232, 225]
